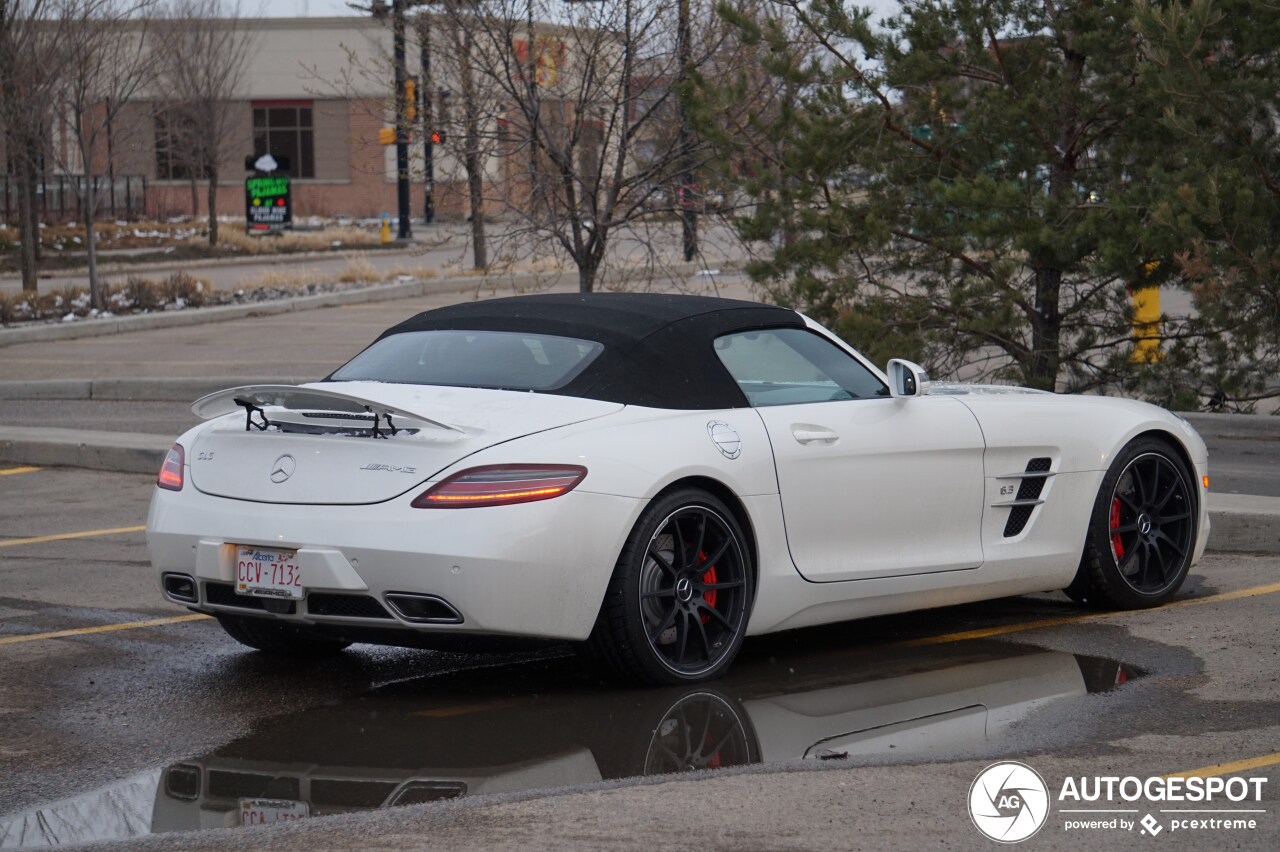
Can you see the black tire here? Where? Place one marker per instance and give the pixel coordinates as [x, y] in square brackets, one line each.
[1142, 530]
[278, 638]
[676, 608]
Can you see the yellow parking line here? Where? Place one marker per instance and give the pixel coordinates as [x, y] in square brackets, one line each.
[1003, 630]
[14, 470]
[106, 628]
[1251, 592]
[42, 539]
[1231, 767]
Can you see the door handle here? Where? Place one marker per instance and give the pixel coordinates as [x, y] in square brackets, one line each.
[814, 435]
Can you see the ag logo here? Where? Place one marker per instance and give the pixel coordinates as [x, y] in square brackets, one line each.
[1008, 802]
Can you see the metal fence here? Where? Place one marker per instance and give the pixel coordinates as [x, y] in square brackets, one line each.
[58, 197]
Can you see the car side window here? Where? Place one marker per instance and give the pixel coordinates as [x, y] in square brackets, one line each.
[789, 366]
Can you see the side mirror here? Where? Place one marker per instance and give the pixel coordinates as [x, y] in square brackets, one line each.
[906, 378]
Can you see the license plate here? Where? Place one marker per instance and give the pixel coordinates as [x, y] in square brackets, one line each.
[267, 811]
[265, 573]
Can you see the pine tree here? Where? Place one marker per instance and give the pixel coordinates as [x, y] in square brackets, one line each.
[978, 186]
[1214, 66]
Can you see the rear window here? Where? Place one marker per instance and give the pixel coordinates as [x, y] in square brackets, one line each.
[508, 360]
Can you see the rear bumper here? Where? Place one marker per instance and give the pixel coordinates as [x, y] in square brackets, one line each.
[537, 570]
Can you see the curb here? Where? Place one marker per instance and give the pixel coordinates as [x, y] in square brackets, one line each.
[135, 390]
[1248, 532]
[360, 296]
[119, 452]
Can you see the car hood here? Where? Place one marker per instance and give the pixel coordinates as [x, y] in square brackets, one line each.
[315, 443]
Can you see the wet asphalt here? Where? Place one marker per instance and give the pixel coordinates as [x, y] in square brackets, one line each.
[166, 728]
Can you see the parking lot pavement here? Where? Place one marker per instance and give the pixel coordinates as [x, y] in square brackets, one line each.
[105, 689]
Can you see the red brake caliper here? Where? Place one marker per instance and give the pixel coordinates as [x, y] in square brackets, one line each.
[1117, 544]
[709, 577]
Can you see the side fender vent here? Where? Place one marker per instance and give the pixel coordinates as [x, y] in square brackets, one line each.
[1028, 496]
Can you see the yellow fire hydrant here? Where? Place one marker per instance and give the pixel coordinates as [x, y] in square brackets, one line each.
[1145, 296]
[386, 228]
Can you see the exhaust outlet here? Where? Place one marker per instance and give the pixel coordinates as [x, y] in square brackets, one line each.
[423, 609]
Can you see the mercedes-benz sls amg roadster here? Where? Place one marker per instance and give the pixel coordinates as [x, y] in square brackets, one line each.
[653, 477]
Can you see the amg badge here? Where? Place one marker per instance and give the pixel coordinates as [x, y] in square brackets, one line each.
[390, 468]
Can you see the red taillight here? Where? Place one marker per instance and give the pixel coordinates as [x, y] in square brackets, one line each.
[501, 485]
[170, 477]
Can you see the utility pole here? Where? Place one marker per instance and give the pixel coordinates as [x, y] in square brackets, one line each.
[686, 195]
[428, 152]
[402, 131]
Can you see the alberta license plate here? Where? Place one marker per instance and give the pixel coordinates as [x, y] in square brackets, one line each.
[267, 573]
[267, 811]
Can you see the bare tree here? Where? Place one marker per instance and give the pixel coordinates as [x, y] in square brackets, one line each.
[106, 64]
[582, 92]
[200, 49]
[477, 112]
[29, 37]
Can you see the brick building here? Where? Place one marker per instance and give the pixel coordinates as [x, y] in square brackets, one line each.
[317, 90]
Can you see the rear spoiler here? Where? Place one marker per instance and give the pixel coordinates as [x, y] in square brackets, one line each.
[256, 398]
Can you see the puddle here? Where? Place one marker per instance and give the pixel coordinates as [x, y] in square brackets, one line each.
[519, 728]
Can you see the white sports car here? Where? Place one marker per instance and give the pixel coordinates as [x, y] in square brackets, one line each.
[653, 477]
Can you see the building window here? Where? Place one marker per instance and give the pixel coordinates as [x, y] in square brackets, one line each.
[177, 148]
[286, 130]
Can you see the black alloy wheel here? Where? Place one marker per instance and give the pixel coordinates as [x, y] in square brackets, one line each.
[1142, 533]
[1150, 523]
[676, 609]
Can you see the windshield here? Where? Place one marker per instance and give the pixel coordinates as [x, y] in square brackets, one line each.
[476, 359]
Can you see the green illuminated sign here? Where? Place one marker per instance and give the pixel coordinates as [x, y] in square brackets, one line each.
[268, 205]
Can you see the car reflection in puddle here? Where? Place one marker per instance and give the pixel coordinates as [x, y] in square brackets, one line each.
[541, 725]
[428, 740]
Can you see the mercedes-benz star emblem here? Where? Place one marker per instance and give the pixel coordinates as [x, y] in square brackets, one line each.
[283, 468]
[684, 589]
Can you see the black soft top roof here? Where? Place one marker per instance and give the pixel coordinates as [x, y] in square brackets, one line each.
[658, 348]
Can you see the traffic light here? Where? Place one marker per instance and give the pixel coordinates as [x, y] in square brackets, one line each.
[411, 99]
[437, 137]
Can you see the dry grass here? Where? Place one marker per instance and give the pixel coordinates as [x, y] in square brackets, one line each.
[360, 271]
[298, 241]
[135, 295]
[292, 276]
